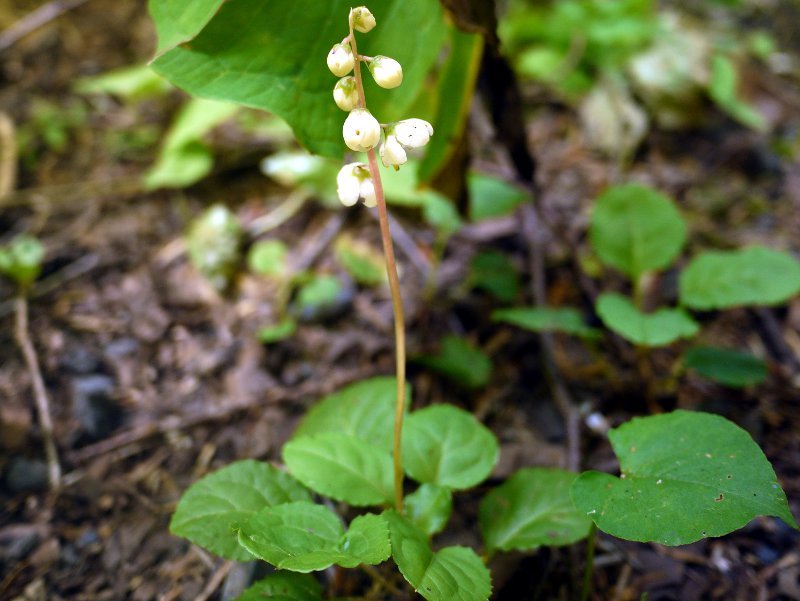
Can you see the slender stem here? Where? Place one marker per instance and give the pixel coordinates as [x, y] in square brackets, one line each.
[39, 391]
[397, 300]
[587, 572]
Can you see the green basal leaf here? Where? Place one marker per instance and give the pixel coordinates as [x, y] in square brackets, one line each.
[280, 331]
[178, 21]
[342, 467]
[750, 276]
[215, 505]
[636, 229]
[184, 159]
[565, 320]
[129, 83]
[364, 410]
[271, 55]
[731, 368]
[723, 89]
[429, 508]
[495, 273]
[268, 257]
[361, 261]
[460, 361]
[304, 537]
[447, 446]
[685, 476]
[284, 586]
[532, 509]
[21, 260]
[452, 574]
[491, 197]
[658, 328]
[319, 297]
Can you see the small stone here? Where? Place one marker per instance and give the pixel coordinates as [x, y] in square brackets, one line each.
[93, 405]
[80, 360]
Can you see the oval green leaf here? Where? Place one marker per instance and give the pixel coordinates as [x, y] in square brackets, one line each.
[214, 506]
[447, 446]
[750, 276]
[685, 476]
[658, 328]
[284, 586]
[532, 509]
[429, 508]
[342, 467]
[565, 320]
[731, 368]
[636, 229]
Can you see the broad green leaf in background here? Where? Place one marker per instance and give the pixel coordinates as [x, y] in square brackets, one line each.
[460, 361]
[213, 506]
[451, 574]
[729, 367]
[361, 261]
[532, 509]
[658, 328]
[280, 331]
[129, 83]
[305, 537]
[268, 257]
[271, 55]
[184, 159]
[284, 586]
[364, 410]
[178, 21]
[342, 467]
[456, 83]
[685, 476]
[447, 446]
[494, 272]
[750, 276]
[429, 508]
[491, 196]
[722, 87]
[301, 170]
[636, 229]
[320, 297]
[565, 320]
[21, 259]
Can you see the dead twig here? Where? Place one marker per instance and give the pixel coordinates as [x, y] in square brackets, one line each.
[216, 580]
[36, 19]
[8, 155]
[39, 391]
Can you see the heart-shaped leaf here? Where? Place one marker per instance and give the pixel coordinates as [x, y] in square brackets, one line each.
[284, 586]
[452, 574]
[725, 366]
[685, 476]
[658, 328]
[342, 467]
[751, 276]
[546, 319]
[215, 505]
[305, 537]
[532, 509]
[636, 229]
[447, 446]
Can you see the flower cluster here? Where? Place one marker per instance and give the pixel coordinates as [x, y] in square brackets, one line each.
[361, 131]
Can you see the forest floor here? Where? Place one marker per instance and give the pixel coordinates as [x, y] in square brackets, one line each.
[155, 379]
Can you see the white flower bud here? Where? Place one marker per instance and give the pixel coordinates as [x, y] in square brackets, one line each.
[361, 131]
[362, 19]
[386, 71]
[353, 182]
[392, 154]
[345, 93]
[413, 133]
[341, 60]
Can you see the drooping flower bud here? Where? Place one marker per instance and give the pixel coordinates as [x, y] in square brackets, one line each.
[362, 19]
[386, 71]
[413, 133]
[341, 60]
[392, 153]
[361, 131]
[345, 93]
[353, 182]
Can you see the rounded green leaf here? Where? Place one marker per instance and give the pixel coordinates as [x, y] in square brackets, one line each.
[211, 509]
[725, 366]
[658, 328]
[494, 272]
[364, 410]
[305, 537]
[452, 574]
[546, 319]
[636, 229]
[271, 55]
[460, 361]
[342, 467]
[532, 509]
[685, 476]
[750, 276]
[284, 586]
[447, 446]
[429, 507]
